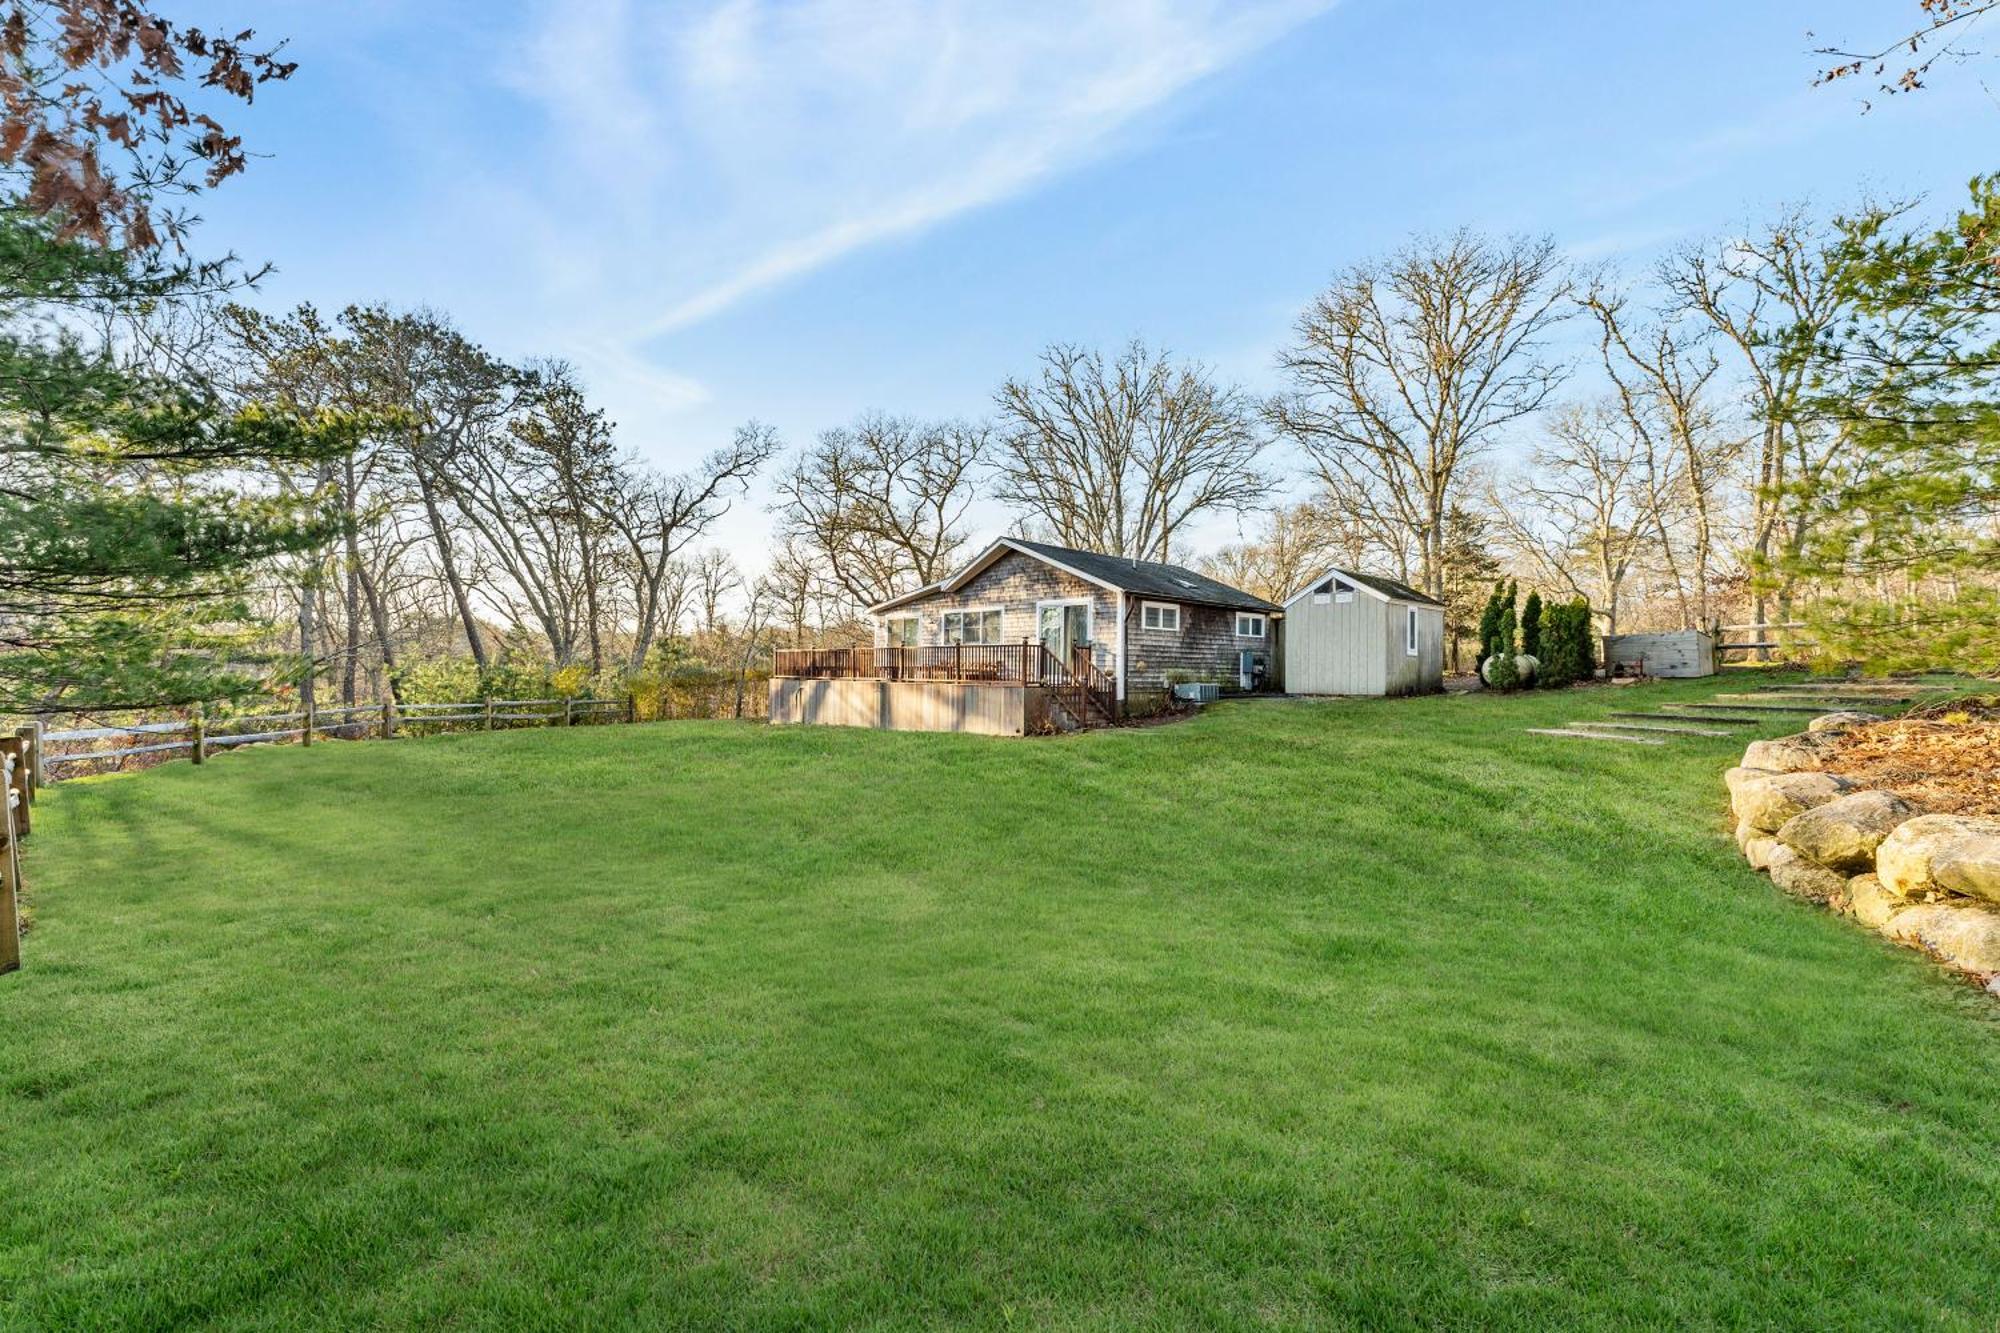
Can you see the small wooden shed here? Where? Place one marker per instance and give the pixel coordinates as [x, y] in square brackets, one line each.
[1687, 652]
[1353, 633]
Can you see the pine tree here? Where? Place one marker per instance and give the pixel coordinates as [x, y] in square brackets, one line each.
[1531, 625]
[129, 526]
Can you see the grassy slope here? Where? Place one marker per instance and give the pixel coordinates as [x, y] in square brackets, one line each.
[1366, 1012]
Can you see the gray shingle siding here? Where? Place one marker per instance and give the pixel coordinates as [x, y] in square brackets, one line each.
[1206, 646]
[1015, 583]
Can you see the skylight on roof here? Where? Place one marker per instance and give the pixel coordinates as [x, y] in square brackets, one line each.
[1188, 583]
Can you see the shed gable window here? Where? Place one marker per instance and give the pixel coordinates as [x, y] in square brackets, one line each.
[1333, 590]
[1249, 625]
[1410, 631]
[1160, 615]
[981, 625]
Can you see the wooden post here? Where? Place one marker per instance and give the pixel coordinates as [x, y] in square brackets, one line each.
[388, 719]
[198, 732]
[41, 770]
[569, 712]
[10, 884]
[631, 705]
[489, 713]
[17, 782]
[31, 745]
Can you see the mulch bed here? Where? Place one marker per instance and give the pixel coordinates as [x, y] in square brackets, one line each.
[1944, 757]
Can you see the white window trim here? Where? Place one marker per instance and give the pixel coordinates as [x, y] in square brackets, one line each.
[1001, 611]
[1089, 616]
[1263, 624]
[1410, 635]
[1163, 608]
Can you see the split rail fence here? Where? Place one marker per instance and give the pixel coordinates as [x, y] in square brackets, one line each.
[198, 736]
[35, 754]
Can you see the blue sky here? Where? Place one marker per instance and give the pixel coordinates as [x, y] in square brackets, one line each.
[799, 210]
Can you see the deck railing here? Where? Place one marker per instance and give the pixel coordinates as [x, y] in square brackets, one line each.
[995, 663]
[1077, 680]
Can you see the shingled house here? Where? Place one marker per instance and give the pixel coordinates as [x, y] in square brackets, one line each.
[1029, 636]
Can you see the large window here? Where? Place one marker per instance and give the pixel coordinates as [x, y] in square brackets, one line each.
[1249, 625]
[1160, 615]
[902, 631]
[981, 625]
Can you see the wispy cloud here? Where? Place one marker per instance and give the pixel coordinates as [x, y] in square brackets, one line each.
[709, 156]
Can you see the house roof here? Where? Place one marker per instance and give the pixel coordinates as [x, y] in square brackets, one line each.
[1145, 578]
[1388, 589]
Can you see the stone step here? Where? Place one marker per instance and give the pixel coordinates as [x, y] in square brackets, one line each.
[1648, 726]
[1837, 687]
[1706, 719]
[1593, 735]
[1757, 708]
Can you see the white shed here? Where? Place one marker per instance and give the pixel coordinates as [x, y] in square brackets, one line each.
[1353, 633]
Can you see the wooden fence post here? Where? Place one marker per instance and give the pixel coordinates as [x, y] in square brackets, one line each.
[631, 705]
[41, 771]
[389, 719]
[31, 750]
[569, 713]
[17, 782]
[198, 732]
[489, 713]
[10, 882]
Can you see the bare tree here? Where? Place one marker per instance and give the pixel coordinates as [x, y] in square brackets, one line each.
[1937, 31]
[660, 516]
[1407, 369]
[1118, 456]
[881, 505]
[715, 578]
[1291, 545]
[572, 465]
[1662, 373]
[1579, 512]
[1769, 296]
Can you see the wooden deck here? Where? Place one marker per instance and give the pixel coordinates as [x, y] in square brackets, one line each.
[1079, 690]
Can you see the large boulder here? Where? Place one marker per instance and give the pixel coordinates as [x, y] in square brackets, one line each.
[1733, 778]
[1845, 719]
[1965, 937]
[1802, 878]
[1971, 866]
[1844, 832]
[1755, 844]
[1908, 858]
[1870, 903]
[1767, 803]
[1802, 753]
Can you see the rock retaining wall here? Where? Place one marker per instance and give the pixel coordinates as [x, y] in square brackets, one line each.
[1926, 880]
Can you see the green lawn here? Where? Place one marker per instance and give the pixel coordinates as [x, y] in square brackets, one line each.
[1358, 1013]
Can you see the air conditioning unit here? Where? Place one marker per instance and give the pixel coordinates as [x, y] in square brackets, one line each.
[1198, 692]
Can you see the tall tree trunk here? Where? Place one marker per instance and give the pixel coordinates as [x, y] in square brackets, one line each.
[308, 650]
[442, 536]
[379, 614]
